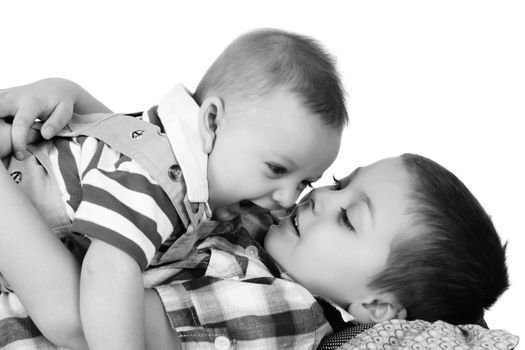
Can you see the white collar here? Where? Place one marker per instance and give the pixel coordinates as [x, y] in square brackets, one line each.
[178, 113]
[345, 315]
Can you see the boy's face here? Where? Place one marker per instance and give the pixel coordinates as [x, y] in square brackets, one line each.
[265, 153]
[342, 234]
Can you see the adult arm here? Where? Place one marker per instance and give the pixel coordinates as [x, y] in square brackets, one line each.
[53, 100]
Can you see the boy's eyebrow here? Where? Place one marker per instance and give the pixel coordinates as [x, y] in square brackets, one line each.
[346, 181]
[362, 195]
[354, 174]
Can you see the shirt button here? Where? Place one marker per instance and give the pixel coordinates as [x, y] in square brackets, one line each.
[222, 343]
[175, 172]
[252, 251]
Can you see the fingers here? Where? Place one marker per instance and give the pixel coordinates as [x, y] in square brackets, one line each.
[5, 138]
[34, 136]
[25, 111]
[7, 108]
[24, 117]
[58, 119]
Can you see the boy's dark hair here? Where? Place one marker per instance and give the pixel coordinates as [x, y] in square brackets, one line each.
[453, 267]
[260, 61]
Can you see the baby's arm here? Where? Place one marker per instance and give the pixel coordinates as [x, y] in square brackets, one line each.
[53, 100]
[111, 299]
[41, 271]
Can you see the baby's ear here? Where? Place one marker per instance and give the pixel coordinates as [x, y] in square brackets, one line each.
[376, 309]
[210, 112]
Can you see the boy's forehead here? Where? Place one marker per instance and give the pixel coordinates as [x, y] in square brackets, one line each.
[388, 169]
[387, 187]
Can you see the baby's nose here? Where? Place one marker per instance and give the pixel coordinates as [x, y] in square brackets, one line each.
[286, 197]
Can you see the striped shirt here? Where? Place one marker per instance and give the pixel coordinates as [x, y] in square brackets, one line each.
[110, 197]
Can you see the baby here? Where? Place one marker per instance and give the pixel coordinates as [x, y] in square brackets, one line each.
[264, 123]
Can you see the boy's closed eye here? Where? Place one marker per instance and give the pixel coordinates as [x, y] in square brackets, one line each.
[343, 217]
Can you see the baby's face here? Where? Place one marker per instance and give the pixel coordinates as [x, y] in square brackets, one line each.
[340, 236]
[265, 154]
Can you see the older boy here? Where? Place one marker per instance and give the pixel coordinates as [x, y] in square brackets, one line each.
[115, 181]
[401, 238]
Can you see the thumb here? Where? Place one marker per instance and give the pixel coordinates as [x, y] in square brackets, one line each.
[57, 120]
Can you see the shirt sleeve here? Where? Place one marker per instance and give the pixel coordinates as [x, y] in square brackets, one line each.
[123, 206]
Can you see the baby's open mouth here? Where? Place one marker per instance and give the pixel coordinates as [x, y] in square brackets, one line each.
[246, 206]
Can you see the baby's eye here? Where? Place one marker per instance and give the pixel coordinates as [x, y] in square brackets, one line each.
[337, 184]
[277, 169]
[343, 217]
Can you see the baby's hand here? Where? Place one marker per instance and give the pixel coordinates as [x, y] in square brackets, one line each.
[50, 100]
[6, 146]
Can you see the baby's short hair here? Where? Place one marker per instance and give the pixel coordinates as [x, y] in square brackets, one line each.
[451, 265]
[260, 61]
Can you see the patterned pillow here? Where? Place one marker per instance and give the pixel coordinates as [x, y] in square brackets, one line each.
[402, 334]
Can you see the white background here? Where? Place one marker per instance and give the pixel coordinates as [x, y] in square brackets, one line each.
[445, 79]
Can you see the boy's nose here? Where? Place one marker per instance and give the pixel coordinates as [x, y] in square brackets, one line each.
[317, 199]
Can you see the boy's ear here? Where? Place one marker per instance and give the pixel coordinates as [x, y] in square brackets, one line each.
[210, 112]
[376, 309]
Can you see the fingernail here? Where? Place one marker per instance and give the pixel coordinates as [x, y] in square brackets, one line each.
[19, 155]
[47, 131]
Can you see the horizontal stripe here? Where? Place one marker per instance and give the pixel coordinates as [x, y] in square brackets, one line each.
[113, 238]
[105, 163]
[113, 223]
[140, 202]
[143, 184]
[102, 198]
